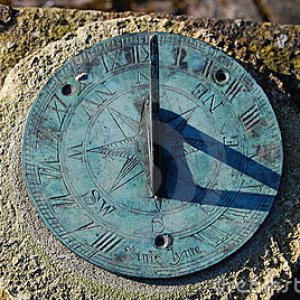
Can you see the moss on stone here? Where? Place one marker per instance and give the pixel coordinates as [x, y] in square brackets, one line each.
[34, 28]
[276, 46]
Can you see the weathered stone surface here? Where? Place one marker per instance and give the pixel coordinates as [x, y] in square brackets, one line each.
[33, 265]
[36, 28]
[3, 295]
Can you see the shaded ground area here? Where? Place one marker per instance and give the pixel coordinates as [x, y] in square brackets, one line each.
[282, 12]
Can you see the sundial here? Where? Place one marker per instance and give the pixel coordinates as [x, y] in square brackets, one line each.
[152, 155]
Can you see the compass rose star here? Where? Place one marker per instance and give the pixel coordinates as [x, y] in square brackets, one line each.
[124, 149]
[129, 147]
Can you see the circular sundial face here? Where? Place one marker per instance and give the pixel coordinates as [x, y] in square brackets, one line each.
[152, 155]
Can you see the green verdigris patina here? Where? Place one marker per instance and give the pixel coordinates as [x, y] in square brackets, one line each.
[88, 166]
[28, 271]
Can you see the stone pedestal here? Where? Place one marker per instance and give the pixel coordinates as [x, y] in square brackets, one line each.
[33, 265]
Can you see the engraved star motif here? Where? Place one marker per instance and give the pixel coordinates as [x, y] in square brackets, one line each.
[129, 147]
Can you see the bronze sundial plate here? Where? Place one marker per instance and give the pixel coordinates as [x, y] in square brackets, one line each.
[93, 180]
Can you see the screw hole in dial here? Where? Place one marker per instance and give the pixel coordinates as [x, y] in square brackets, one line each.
[221, 76]
[162, 241]
[68, 90]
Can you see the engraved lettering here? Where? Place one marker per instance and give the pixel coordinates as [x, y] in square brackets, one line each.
[200, 91]
[158, 225]
[185, 256]
[96, 199]
[106, 209]
[150, 257]
[213, 101]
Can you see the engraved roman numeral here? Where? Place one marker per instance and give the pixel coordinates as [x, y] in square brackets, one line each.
[213, 101]
[106, 242]
[207, 68]
[143, 54]
[235, 216]
[89, 225]
[60, 107]
[136, 54]
[64, 200]
[113, 60]
[50, 169]
[180, 56]
[47, 137]
[251, 185]
[212, 236]
[234, 89]
[251, 118]
[140, 54]
[53, 82]
[76, 152]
